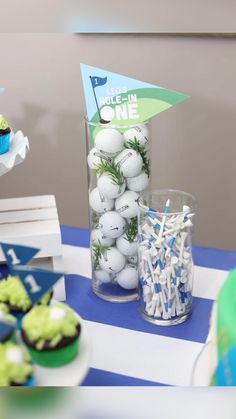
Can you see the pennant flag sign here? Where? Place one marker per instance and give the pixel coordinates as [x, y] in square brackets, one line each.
[18, 255]
[119, 100]
[6, 330]
[36, 281]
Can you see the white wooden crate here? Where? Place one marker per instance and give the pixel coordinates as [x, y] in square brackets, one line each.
[33, 221]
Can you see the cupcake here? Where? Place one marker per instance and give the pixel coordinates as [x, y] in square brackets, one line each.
[51, 334]
[5, 132]
[15, 366]
[14, 295]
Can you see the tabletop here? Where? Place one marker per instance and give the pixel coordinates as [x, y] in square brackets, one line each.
[126, 350]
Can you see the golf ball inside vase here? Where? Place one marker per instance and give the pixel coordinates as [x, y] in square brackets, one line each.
[127, 204]
[129, 162]
[112, 261]
[99, 203]
[108, 188]
[112, 225]
[109, 141]
[140, 133]
[118, 172]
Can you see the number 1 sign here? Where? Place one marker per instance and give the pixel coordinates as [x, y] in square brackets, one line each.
[18, 255]
[36, 281]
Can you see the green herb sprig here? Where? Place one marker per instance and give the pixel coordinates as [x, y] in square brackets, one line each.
[135, 145]
[113, 169]
[132, 230]
[98, 250]
[95, 220]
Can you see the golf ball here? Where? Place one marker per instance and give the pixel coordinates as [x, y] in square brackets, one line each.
[140, 132]
[99, 203]
[109, 141]
[102, 276]
[112, 225]
[108, 187]
[107, 113]
[98, 238]
[125, 247]
[138, 183]
[129, 162]
[128, 277]
[112, 260]
[127, 205]
[95, 157]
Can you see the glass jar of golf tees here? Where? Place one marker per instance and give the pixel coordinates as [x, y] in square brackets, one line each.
[165, 224]
[118, 169]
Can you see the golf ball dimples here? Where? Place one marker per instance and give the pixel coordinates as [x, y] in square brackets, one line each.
[138, 183]
[128, 277]
[98, 238]
[95, 157]
[108, 188]
[112, 260]
[99, 203]
[129, 162]
[112, 225]
[127, 204]
[102, 276]
[109, 141]
[125, 247]
[140, 133]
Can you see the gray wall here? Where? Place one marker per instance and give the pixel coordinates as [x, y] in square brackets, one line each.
[193, 144]
[119, 16]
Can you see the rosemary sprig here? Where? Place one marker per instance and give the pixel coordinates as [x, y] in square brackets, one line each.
[97, 251]
[134, 144]
[95, 220]
[132, 229]
[113, 169]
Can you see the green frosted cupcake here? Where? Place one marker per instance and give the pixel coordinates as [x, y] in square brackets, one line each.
[51, 334]
[5, 317]
[15, 366]
[14, 295]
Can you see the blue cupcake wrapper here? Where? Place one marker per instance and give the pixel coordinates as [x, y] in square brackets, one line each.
[30, 382]
[4, 143]
[19, 317]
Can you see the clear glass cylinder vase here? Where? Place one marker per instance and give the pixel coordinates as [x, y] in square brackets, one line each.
[165, 225]
[118, 171]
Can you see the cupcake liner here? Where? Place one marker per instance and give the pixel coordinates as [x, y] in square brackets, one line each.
[4, 143]
[30, 382]
[19, 317]
[55, 357]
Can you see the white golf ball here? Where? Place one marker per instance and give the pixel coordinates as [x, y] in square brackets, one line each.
[108, 187]
[140, 132]
[102, 276]
[138, 183]
[112, 260]
[99, 203]
[129, 162]
[97, 237]
[112, 225]
[127, 204]
[128, 277]
[109, 141]
[125, 247]
[95, 157]
[107, 113]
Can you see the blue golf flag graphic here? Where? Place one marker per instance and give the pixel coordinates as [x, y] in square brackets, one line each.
[18, 255]
[6, 330]
[36, 281]
[98, 81]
